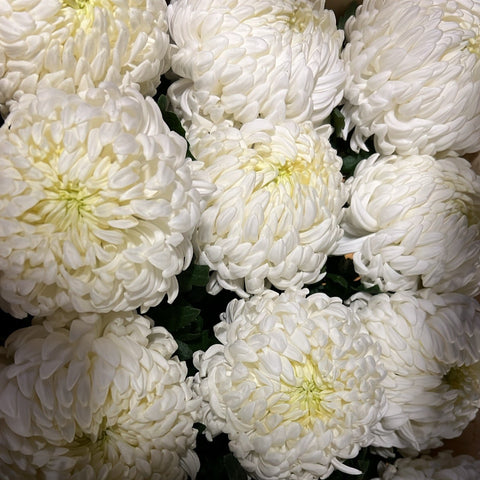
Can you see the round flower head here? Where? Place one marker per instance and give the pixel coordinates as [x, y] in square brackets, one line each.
[240, 60]
[414, 222]
[430, 348]
[413, 76]
[102, 398]
[72, 44]
[275, 215]
[294, 383]
[443, 466]
[97, 203]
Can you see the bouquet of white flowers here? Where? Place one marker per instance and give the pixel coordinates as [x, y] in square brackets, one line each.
[239, 239]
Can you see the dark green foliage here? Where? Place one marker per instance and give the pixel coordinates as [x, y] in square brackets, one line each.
[172, 120]
[350, 11]
[341, 280]
[350, 158]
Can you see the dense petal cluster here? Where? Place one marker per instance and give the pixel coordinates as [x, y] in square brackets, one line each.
[97, 203]
[413, 76]
[294, 383]
[413, 222]
[73, 44]
[101, 398]
[430, 348]
[276, 213]
[241, 60]
[443, 466]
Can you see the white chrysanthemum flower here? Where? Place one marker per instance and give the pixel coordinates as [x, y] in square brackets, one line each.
[72, 44]
[442, 466]
[430, 348]
[103, 398]
[414, 222]
[240, 60]
[97, 203]
[294, 383]
[413, 76]
[275, 216]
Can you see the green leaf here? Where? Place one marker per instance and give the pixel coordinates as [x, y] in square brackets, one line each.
[333, 277]
[172, 121]
[350, 11]
[233, 468]
[194, 275]
[184, 352]
[338, 121]
[350, 162]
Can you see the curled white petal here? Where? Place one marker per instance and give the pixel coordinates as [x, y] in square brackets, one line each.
[98, 203]
[74, 44]
[242, 60]
[294, 383]
[430, 347]
[413, 76]
[90, 394]
[413, 222]
[275, 216]
[426, 467]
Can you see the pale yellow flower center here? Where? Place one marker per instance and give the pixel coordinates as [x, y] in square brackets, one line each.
[67, 206]
[309, 396]
[465, 377]
[285, 170]
[301, 17]
[83, 11]
[474, 45]
[76, 4]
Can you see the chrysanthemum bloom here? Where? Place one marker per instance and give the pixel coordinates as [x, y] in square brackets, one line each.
[71, 44]
[414, 222]
[97, 203]
[442, 466]
[244, 59]
[430, 348]
[275, 216]
[413, 76]
[294, 383]
[103, 398]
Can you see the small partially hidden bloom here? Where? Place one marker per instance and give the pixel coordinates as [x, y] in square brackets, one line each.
[294, 383]
[413, 76]
[98, 203]
[443, 466]
[248, 59]
[101, 397]
[74, 44]
[413, 222]
[430, 349]
[276, 212]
